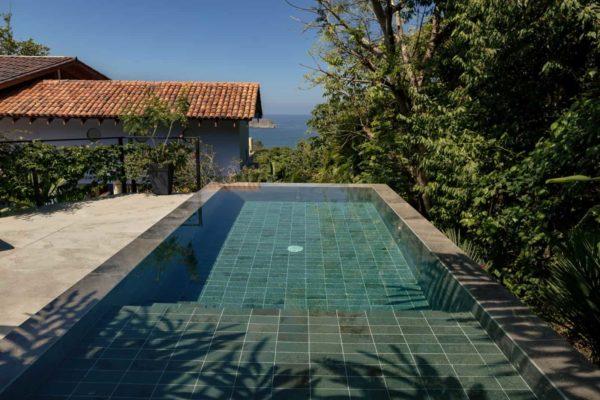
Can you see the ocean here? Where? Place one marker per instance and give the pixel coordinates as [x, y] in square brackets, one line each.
[290, 129]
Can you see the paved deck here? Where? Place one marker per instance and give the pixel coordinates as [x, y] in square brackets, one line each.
[45, 252]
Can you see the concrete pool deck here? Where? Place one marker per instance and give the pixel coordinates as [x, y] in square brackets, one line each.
[49, 250]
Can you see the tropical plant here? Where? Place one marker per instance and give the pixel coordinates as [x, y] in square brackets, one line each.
[374, 64]
[58, 172]
[284, 164]
[181, 155]
[573, 289]
[465, 245]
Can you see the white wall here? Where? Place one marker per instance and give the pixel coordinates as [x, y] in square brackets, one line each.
[228, 139]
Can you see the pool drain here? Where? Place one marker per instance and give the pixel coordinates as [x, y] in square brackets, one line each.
[295, 249]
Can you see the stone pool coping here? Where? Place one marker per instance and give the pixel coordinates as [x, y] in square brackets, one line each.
[545, 359]
[547, 362]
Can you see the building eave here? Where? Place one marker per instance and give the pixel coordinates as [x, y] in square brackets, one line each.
[40, 72]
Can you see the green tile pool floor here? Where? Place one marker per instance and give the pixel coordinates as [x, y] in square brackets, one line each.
[341, 319]
[186, 351]
[344, 259]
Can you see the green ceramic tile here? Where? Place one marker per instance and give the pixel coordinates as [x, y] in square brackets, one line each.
[511, 382]
[343, 318]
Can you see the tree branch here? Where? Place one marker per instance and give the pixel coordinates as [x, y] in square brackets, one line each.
[431, 44]
[384, 18]
[401, 40]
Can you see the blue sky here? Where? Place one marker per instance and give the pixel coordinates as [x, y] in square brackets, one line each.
[212, 40]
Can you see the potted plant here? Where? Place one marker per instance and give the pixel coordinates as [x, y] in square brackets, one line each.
[157, 117]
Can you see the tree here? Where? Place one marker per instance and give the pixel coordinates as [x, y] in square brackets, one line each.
[376, 56]
[157, 117]
[10, 46]
[520, 82]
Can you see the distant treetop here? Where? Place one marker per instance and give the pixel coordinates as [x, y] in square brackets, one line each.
[11, 46]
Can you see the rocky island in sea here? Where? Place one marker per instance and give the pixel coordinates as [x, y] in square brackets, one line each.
[262, 123]
[289, 129]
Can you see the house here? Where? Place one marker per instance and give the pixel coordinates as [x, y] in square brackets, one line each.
[42, 98]
[19, 71]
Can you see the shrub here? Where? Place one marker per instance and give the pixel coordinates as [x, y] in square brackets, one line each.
[58, 169]
[181, 154]
[285, 164]
[573, 289]
[61, 169]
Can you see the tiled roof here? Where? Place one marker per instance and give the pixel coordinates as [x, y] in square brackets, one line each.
[12, 67]
[110, 99]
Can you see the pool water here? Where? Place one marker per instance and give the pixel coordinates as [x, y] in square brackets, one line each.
[343, 257]
[284, 293]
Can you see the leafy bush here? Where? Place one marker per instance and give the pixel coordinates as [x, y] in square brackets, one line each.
[181, 154]
[465, 245]
[59, 170]
[284, 164]
[157, 117]
[573, 289]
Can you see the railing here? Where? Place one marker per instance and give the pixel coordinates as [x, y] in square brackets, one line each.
[120, 142]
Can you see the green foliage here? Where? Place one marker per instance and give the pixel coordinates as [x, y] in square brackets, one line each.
[10, 46]
[59, 169]
[283, 164]
[518, 218]
[573, 289]
[139, 156]
[465, 245]
[572, 178]
[157, 117]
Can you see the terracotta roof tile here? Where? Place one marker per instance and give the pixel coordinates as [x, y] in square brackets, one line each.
[110, 99]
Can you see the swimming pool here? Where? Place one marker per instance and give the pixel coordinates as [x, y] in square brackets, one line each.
[280, 292]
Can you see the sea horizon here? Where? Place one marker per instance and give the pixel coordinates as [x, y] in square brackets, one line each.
[291, 128]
